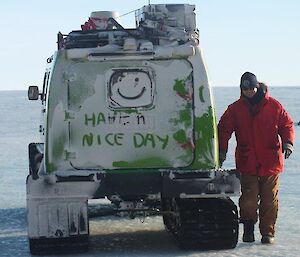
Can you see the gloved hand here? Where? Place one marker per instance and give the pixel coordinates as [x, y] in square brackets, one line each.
[222, 157]
[287, 149]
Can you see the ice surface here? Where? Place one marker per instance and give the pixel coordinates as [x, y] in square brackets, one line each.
[124, 237]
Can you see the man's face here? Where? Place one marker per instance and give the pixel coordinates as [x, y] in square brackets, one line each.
[249, 92]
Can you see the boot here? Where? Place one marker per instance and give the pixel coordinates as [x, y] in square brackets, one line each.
[267, 239]
[248, 235]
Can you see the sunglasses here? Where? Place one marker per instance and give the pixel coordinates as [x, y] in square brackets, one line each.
[247, 85]
[248, 88]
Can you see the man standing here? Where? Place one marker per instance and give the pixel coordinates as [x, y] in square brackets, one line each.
[263, 131]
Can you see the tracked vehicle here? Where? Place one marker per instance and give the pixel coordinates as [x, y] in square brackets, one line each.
[128, 115]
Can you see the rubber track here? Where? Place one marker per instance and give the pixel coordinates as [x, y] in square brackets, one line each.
[204, 223]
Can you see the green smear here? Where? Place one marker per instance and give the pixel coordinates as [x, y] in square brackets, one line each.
[205, 131]
[179, 87]
[201, 97]
[51, 167]
[58, 147]
[180, 136]
[186, 117]
[79, 91]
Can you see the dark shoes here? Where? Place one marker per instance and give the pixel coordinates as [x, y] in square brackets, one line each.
[248, 235]
[248, 238]
[267, 240]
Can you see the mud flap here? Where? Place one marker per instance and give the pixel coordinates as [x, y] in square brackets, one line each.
[55, 224]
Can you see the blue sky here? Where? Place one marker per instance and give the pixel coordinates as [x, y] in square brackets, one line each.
[261, 36]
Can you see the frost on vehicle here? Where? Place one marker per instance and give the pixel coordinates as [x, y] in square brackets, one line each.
[128, 115]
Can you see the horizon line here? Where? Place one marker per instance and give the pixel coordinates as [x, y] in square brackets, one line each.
[211, 86]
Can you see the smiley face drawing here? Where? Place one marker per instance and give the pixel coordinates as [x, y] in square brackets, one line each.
[130, 88]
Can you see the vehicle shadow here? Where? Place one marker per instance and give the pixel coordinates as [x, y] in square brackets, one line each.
[138, 243]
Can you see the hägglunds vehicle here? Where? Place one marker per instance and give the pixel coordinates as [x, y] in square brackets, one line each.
[128, 115]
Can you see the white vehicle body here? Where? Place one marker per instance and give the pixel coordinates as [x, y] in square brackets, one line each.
[128, 115]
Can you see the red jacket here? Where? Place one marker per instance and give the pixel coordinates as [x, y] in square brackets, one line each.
[260, 131]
